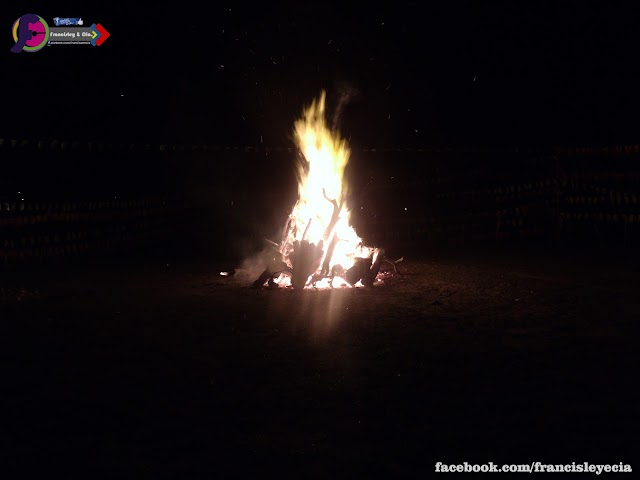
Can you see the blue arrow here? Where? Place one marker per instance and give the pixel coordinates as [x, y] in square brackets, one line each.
[98, 34]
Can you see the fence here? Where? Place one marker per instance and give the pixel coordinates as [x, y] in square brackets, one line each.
[41, 231]
[574, 197]
[400, 197]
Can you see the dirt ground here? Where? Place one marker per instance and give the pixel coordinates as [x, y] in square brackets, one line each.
[173, 371]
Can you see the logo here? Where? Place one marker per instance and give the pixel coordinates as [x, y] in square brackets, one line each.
[30, 32]
[61, 22]
[98, 34]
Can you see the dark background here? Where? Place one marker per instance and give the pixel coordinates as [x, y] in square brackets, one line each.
[530, 73]
[450, 104]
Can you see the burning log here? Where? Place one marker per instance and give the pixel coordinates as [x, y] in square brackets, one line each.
[285, 234]
[264, 276]
[370, 277]
[335, 216]
[360, 269]
[365, 269]
[329, 255]
[305, 262]
[275, 266]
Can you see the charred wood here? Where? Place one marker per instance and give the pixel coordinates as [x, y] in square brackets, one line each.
[358, 271]
[329, 255]
[394, 264]
[371, 275]
[335, 216]
[305, 262]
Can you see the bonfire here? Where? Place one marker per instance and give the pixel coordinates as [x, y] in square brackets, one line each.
[318, 247]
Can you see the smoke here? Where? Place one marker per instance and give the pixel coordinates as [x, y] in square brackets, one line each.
[255, 263]
[346, 94]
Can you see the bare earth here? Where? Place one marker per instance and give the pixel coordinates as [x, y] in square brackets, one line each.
[174, 371]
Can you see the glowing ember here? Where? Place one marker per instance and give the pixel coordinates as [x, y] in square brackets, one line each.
[318, 243]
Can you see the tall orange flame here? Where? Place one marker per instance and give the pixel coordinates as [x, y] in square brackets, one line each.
[321, 215]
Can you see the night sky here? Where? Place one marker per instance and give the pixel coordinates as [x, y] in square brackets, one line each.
[482, 73]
